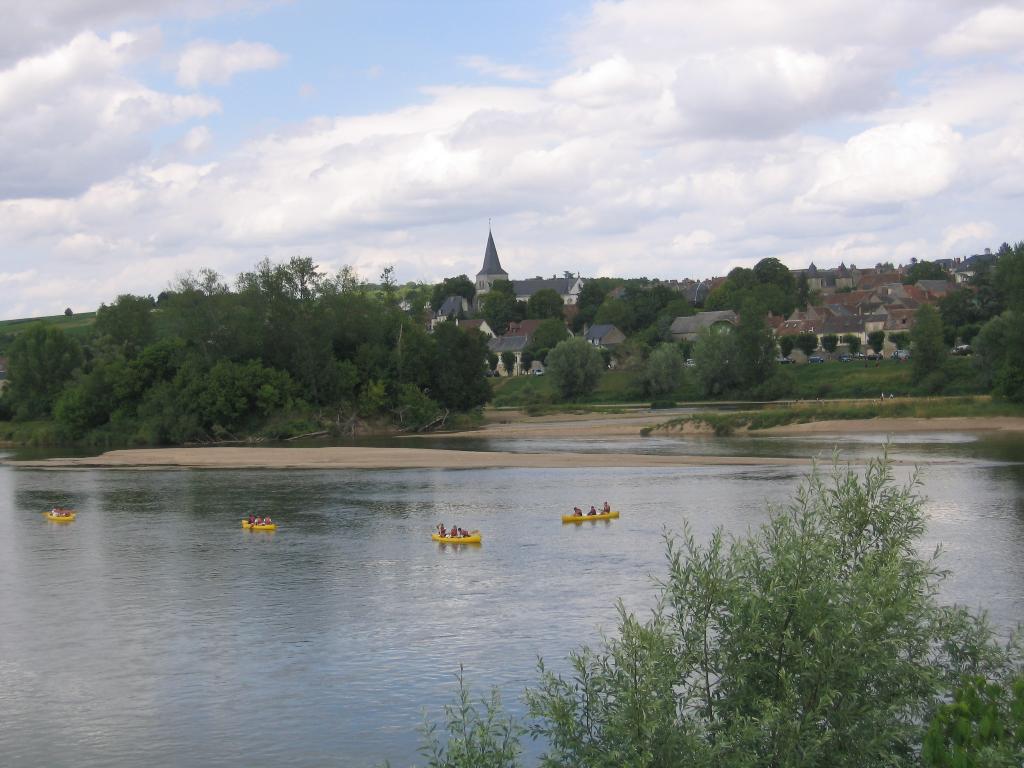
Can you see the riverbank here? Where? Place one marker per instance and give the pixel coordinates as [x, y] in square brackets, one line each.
[381, 458]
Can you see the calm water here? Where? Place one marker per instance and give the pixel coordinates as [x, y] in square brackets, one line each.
[153, 631]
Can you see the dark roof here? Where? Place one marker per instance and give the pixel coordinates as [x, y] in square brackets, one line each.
[501, 344]
[491, 264]
[694, 323]
[559, 285]
[452, 306]
[598, 332]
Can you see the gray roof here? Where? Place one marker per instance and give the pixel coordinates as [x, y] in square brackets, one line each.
[598, 332]
[694, 323]
[935, 286]
[507, 344]
[491, 264]
[560, 285]
[452, 306]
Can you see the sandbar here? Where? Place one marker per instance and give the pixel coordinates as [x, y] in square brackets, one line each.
[382, 458]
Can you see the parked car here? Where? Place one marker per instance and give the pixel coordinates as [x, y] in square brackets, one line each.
[900, 354]
[873, 356]
[845, 358]
[781, 360]
[690, 363]
[815, 359]
[961, 349]
[538, 372]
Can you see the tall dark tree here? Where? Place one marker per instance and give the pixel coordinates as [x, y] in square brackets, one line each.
[458, 381]
[927, 344]
[499, 307]
[460, 285]
[40, 363]
[545, 303]
[127, 323]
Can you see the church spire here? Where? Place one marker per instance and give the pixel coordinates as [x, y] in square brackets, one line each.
[492, 266]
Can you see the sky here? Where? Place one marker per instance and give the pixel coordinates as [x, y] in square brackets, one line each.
[144, 139]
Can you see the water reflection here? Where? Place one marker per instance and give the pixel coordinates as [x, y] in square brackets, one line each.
[159, 627]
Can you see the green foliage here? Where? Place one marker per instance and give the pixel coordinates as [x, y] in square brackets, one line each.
[575, 367]
[924, 270]
[928, 346]
[983, 727]
[615, 312]
[852, 342]
[900, 338]
[549, 334]
[42, 360]
[769, 285]
[829, 342]
[663, 372]
[545, 303]
[816, 640]
[807, 342]
[786, 345]
[499, 307]
[876, 340]
[591, 297]
[415, 410]
[1009, 276]
[477, 735]
[999, 355]
[508, 360]
[459, 365]
[127, 324]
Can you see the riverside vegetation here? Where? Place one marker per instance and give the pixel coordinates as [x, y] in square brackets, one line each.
[287, 351]
[816, 640]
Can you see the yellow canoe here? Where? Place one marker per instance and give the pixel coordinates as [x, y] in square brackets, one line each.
[271, 527]
[60, 518]
[474, 538]
[613, 515]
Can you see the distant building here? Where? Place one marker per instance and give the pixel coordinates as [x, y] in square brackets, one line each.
[688, 328]
[567, 287]
[491, 271]
[604, 335]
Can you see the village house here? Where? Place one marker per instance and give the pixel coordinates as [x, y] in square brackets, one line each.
[604, 335]
[688, 328]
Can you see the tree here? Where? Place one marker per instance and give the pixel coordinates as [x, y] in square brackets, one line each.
[40, 363]
[982, 727]
[786, 344]
[901, 339]
[663, 372]
[68, 312]
[999, 357]
[127, 323]
[876, 340]
[549, 334]
[807, 342]
[924, 270]
[755, 348]
[815, 640]
[575, 367]
[545, 303]
[499, 307]
[714, 354]
[458, 381]
[1009, 276]
[508, 360]
[852, 342]
[929, 349]
[829, 342]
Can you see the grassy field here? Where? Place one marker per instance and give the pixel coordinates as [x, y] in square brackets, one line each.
[79, 325]
[799, 382]
[727, 422]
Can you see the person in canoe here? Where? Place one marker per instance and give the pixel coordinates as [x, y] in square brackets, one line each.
[593, 511]
[577, 512]
[606, 508]
[60, 512]
[441, 530]
[252, 519]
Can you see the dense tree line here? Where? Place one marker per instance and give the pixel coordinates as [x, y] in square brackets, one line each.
[287, 348]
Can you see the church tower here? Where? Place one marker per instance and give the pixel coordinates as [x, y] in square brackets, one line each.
[491, 271]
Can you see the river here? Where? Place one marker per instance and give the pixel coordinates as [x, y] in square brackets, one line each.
[154, 631]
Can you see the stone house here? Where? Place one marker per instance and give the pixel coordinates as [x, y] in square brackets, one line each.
[604, 335]
[688, 328]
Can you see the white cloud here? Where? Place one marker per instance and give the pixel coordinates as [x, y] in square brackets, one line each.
[971, 235]
[999, 28]
[72, 117]
[486, 66]
[680, 139]
[888, 164]
[210, 62]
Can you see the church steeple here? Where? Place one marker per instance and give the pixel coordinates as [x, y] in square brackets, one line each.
[491, 271]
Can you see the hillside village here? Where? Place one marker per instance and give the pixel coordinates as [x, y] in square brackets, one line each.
[877, 302]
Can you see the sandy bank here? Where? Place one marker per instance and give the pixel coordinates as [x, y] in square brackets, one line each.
[383, 458]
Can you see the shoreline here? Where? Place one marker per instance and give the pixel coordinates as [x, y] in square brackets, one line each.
[383, 458]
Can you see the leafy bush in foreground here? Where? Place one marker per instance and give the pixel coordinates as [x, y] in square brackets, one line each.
[817, 640]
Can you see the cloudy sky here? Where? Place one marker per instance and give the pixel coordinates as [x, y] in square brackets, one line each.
[141, 139]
